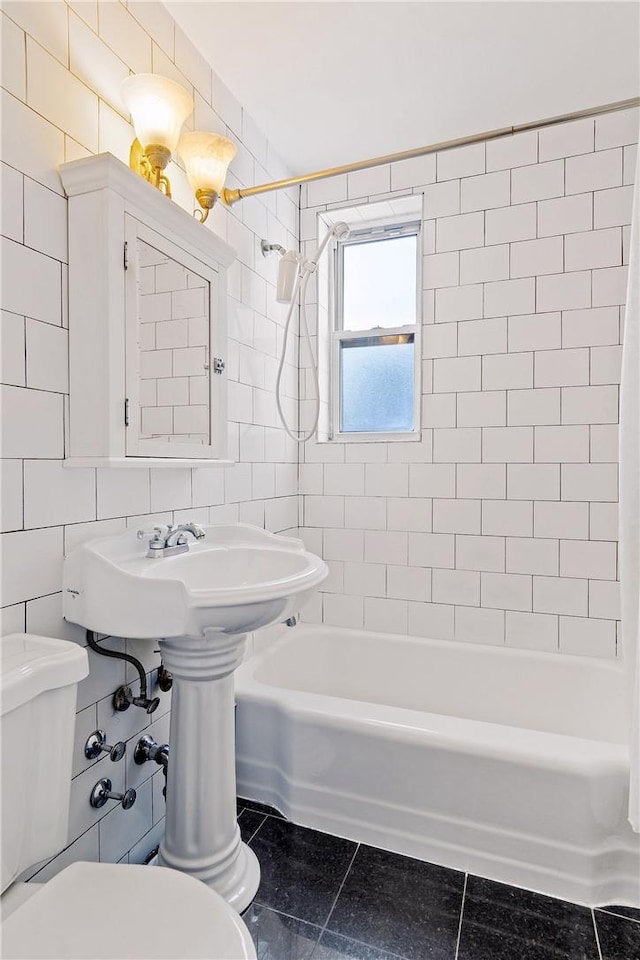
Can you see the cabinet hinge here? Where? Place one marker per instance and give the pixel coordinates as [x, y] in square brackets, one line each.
[218, 365]
[126, 412]
[125, 256]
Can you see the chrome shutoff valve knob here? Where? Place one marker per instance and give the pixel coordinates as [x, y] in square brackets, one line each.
[164, 678]
[97, 744]
[123, 698]
[102, 792]
[147, 749]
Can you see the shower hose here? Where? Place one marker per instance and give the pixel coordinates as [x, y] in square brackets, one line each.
[305, 270]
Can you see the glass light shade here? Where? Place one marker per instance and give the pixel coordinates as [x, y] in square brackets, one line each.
[158, 108]
[206, 158]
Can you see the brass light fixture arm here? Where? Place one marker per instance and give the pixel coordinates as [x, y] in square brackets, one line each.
[162, 182]
[206, 199]
[232, 196]
[150, 164]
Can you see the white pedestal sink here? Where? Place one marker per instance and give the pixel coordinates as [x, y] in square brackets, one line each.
[200, 605]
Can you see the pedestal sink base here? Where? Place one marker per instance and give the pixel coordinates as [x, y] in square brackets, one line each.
[241, 886]
[237, 578]
[202, 837]
[238, 886]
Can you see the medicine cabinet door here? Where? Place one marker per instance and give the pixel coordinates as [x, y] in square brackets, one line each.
[175, 384]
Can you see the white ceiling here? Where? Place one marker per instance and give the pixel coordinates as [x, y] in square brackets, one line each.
[334, 82]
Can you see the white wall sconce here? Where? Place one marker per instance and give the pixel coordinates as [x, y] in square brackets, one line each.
[206, 157]
[158, 108]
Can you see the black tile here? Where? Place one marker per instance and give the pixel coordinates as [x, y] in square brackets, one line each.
[301, 869]
[260, 807]
[334, 947]
[631, 913]
[278, 937]
[619, 938]
[400, 905]
[249, 821]
[504, 923]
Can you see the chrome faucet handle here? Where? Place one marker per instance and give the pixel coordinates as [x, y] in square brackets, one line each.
[102, 792]
[97, 743]
[157, 536]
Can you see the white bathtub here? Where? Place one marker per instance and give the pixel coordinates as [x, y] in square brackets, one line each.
[504, 763]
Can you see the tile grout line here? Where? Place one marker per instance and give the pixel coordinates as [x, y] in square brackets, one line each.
[351, 939]
[595, 933]
[464, 897]
[335, 900]
[361, 943]
[280, 913]
[261, 824]
[620, 916]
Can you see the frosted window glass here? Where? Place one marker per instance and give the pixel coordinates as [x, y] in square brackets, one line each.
[379, 283]
[376, 387]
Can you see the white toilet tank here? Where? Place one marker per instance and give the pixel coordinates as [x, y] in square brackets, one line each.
[38, 686]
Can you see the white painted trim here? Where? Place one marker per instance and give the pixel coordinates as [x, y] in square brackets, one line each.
[337, 334]
[143, 462]
[374, 437]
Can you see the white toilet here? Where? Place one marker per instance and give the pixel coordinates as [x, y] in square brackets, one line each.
[91, 911]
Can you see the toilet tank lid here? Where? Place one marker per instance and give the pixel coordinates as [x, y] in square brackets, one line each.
[30, 665]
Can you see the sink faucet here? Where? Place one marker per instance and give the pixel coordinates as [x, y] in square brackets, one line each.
[176, 535]
[169, 541]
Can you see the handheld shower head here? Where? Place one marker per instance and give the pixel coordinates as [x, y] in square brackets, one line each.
[291, 261]
[341, 230]
[287, 273]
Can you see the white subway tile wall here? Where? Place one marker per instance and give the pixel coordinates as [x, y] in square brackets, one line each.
[62, 66]
[511, 513]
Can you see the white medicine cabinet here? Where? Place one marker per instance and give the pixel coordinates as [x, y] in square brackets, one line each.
[147, 324]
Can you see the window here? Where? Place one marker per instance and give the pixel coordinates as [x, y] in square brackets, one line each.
[375, 351]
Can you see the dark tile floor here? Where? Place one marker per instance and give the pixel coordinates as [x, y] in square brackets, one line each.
[324, 898]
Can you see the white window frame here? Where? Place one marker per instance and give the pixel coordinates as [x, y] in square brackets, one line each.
[389, 228]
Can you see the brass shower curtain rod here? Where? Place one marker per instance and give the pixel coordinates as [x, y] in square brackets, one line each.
[232, 196]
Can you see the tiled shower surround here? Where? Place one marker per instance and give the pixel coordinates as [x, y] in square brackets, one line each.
[500, 525]
[62, 65]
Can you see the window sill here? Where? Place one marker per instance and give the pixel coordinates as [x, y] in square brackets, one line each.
[171, 462]
[377, 437]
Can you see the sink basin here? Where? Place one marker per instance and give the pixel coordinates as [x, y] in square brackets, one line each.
[237, 579]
